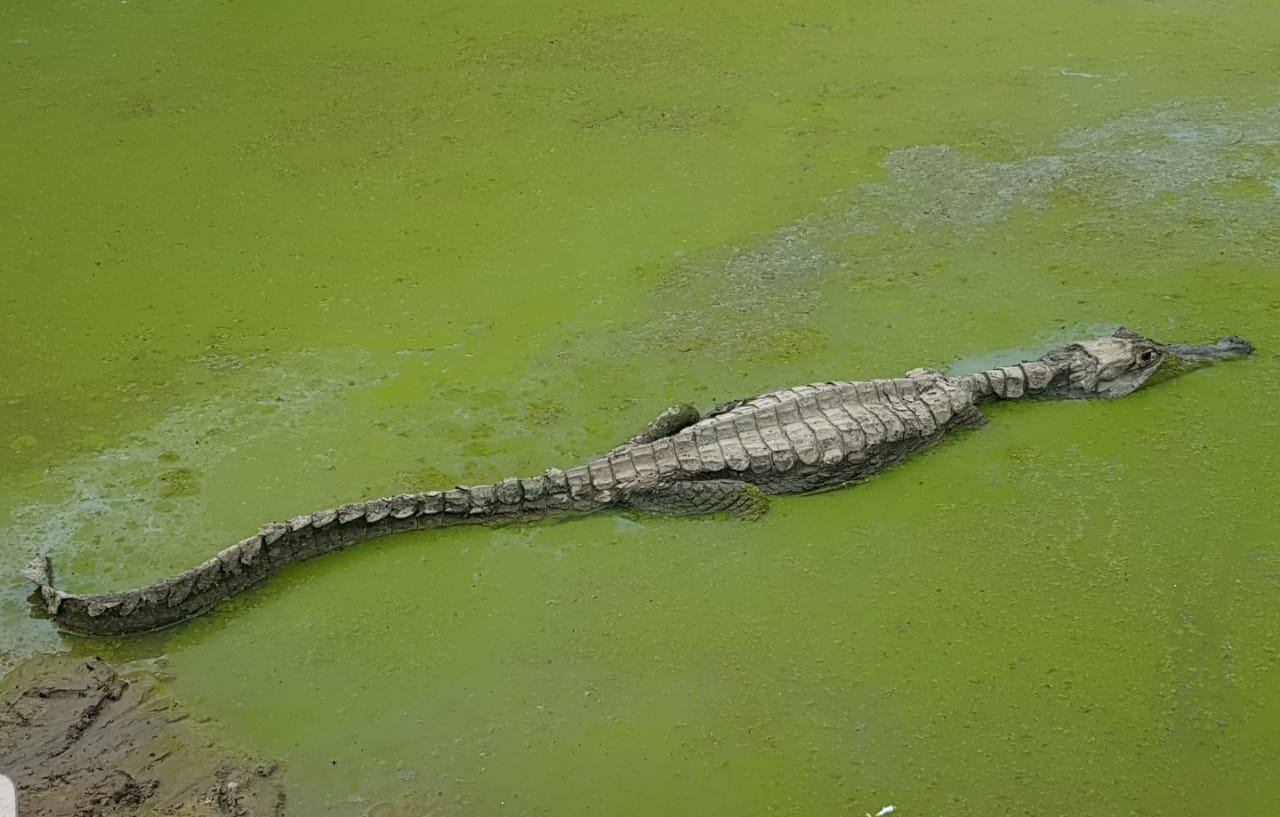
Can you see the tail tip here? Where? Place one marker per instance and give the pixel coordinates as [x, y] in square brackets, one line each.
[40, 571]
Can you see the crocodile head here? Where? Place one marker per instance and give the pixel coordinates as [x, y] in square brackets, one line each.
[1120, 364]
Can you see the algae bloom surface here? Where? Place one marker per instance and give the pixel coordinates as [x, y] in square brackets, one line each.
[259, 260]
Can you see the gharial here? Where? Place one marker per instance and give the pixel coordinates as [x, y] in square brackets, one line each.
[808, 438]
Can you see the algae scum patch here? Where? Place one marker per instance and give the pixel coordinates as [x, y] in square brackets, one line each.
[917, 255]
[128, 512]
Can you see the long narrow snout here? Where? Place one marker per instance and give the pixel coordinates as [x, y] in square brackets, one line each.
[1222, 349]
[1180, 358]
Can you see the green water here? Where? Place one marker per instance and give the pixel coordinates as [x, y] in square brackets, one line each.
[261, 260]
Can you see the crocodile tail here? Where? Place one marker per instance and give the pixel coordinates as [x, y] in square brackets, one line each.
[40, 571]
[252, 560]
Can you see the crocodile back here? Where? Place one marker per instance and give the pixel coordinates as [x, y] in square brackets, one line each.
[805, 438]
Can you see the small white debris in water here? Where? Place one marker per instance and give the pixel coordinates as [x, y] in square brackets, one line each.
[886, 810]
[1067, 72]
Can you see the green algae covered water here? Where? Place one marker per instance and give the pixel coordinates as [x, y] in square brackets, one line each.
[262, 260]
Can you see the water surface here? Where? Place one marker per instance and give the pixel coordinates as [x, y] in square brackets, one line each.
[258, 261]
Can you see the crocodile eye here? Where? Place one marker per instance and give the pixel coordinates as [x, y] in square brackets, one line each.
[1147, 356]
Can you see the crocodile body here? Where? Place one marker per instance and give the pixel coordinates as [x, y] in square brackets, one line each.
[797, 440]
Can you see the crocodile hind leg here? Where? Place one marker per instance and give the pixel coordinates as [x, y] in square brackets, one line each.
[674, 419]
[687, 497]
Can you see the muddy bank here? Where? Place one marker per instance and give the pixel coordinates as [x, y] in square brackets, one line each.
[79, 739]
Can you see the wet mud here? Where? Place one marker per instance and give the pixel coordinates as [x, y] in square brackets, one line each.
[80, 739]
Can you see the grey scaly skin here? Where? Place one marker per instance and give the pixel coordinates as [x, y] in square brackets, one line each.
[797, 440]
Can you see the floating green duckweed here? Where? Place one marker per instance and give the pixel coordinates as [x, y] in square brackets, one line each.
[264, 259]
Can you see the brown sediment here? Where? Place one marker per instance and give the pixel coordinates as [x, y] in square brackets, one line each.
[79, 739]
